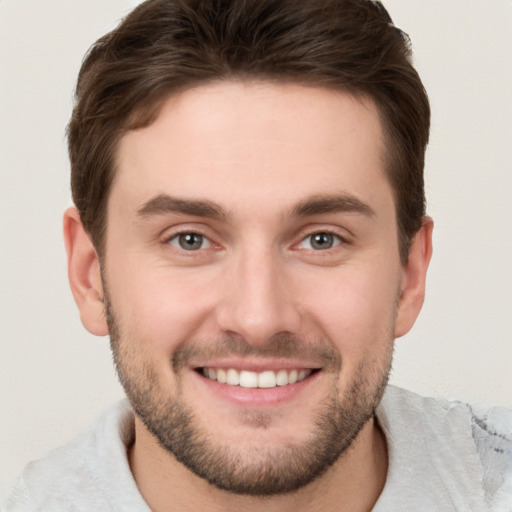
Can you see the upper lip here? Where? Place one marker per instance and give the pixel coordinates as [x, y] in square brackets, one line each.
[258, 365]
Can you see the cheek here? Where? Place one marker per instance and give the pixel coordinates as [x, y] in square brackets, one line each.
[355, 308]
[160, 306]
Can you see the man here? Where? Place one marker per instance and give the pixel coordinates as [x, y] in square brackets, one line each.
[250, 230]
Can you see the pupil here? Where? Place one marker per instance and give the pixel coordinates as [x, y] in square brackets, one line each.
[322, 241]
[191, 241]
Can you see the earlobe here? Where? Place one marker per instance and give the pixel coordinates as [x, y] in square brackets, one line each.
[412, 291]
[84, 274]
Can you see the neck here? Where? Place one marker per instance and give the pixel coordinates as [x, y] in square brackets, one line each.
[353, 483]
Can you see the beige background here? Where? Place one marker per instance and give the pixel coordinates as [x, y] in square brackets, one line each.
[55, 378]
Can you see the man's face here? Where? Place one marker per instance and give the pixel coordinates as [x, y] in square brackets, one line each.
[252, 239]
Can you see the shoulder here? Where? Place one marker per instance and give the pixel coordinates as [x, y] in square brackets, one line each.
[470, 445]
[490, 426]
[72, 477]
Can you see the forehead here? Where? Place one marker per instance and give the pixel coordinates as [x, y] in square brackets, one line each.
[236, 142]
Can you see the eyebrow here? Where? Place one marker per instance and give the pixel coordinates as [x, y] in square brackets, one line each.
[163, 204]
[332, 204]
[317, 205]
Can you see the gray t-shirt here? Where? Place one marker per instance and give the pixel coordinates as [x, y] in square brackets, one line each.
[443, 456]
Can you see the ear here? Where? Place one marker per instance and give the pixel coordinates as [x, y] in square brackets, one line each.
[412, 289]
[84, 274]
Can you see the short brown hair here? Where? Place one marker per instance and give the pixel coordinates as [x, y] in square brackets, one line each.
[164, 46]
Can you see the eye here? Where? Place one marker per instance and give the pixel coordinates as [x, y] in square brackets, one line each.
[320, 241]
[190, 241]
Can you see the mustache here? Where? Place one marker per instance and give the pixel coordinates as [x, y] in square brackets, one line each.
[283, 345]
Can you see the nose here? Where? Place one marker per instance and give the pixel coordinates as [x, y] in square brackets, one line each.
[258, 300]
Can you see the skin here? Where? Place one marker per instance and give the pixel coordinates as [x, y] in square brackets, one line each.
[256, 277]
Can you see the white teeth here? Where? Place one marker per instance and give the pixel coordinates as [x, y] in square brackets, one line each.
[282, 378]
[232, 377]
[248, 379]
[267, 379]
[221, 376]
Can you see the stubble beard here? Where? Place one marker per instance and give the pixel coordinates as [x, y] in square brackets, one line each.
[253, 470]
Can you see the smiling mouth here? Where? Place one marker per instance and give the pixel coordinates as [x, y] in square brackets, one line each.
[249, 379]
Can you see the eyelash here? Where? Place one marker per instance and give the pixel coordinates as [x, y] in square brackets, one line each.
[336, 239]
[175, 237]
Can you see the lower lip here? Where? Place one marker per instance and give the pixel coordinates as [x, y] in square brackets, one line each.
[257, 397]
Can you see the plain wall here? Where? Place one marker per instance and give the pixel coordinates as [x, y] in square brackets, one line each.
[55, 378]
